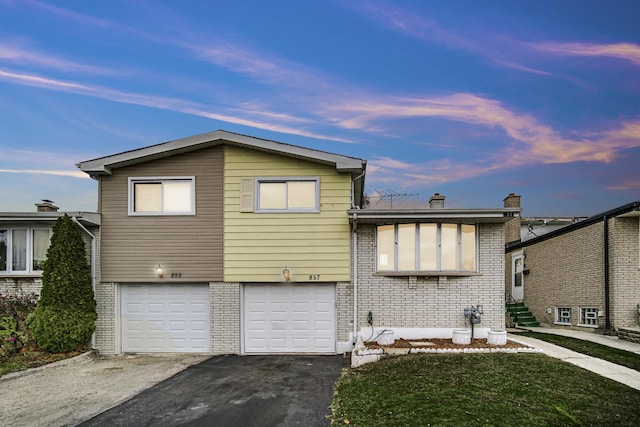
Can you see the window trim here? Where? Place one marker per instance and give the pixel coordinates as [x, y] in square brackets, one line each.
[286, 179]
[132, 181]
[29, 271]
[439, 272]
[583, 317]
[558, 320]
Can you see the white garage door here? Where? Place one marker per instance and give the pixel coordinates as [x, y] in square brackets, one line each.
[293, 318]
[165, 318]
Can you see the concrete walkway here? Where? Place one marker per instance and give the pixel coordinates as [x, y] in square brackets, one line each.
[610, 370]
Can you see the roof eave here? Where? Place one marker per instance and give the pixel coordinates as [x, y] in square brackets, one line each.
[498, 216]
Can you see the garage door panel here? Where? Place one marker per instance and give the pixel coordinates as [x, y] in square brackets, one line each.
[165, 318]
[285, 318]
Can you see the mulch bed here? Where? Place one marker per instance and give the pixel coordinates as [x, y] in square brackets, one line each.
[440, 343]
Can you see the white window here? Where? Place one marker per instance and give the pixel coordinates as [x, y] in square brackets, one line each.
[563, 315]
[588, 316]
[23, 250]
[162, 196]
[289, 194]
[426, 247]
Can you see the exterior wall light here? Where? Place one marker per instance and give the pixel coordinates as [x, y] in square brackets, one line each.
[159, 271]
[286, 274]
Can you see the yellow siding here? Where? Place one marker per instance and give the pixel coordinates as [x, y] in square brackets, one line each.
[313, 246]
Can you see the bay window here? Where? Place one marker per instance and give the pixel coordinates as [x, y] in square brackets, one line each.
[23, 250]
[427, 247]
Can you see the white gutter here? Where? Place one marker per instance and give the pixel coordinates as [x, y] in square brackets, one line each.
[355, 277]
[93, 267]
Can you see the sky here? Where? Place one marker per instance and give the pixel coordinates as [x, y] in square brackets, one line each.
[472, 100]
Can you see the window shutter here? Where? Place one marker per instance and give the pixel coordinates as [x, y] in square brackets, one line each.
[246, 195]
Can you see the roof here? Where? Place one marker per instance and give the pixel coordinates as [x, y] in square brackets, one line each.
[475, 216]
[104, 165]
[85, 218]
[630, 210]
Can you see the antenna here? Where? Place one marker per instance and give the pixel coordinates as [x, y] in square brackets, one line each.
[380, 195]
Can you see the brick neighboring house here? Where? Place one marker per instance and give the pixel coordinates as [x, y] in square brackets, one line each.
[584, 276]
[24, 240]
[417, 270]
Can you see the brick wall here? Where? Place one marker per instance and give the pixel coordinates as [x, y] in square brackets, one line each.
[565, 271]
[106, 322]
[624, 271]
[20, 285]
[225, 318]
[432, 302]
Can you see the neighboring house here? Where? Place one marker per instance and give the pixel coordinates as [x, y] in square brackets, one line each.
[536, 227]
[585, 275]
[417, 270]
[24, 240]
[225, 243]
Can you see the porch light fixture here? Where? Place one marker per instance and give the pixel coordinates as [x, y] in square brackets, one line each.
[286, 274]
[159, 271]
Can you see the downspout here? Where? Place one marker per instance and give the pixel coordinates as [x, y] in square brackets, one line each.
[355, 278]
[607, 304]
[93, 267]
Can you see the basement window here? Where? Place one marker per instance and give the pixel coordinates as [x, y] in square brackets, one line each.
[563, 315]
[589, 316]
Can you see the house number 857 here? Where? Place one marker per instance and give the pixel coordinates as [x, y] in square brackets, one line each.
[314, 277]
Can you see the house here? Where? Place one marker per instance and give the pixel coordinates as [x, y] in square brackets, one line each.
[418, 271]
[24, 240]
[225, 244]
[582, 276]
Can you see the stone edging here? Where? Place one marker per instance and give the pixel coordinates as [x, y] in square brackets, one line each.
[76, 359]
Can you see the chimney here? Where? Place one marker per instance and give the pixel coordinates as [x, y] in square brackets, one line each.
[512, 227]
[46, 206]
[436, 201]
[512, 201]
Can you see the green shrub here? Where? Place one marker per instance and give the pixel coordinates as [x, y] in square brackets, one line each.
[60, 330]
[14, 333]
[66, 312]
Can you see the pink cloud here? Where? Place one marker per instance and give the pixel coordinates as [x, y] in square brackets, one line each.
[627, 51]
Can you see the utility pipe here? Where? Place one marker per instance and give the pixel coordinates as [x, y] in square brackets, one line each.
[355, 277]
[607, 304]
[93, 266]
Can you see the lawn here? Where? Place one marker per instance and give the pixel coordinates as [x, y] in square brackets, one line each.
[480, 389]
[31, 359]
[613, 355]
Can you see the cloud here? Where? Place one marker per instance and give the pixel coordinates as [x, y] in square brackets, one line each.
[68, 173]
[164, 103]
[627, 51]
[12, 53]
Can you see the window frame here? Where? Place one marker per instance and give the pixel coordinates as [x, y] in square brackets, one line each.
[584, 311]
[132, 181]
[286, 180]
[418, 244]
[29, 247]
[560, 317]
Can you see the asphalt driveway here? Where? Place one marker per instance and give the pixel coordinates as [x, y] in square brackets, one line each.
[232, 391]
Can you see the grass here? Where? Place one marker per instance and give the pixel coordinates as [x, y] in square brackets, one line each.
[31, 359]
[613, 355]
[480, 389]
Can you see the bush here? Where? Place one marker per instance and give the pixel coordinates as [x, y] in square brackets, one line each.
[14, 333]
[66, 313]
[60, 330]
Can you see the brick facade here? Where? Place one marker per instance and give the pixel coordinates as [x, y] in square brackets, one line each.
[106, 323]
[433, 301]
[568, 271]
[225, 318]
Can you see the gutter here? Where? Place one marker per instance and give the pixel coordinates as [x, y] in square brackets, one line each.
[607, 303]
[355, 277]
[93, 267]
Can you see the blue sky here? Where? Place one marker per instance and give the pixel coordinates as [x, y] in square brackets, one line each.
[474, 100]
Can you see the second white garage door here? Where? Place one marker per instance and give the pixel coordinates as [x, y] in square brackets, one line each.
[165, 318]
[292, 318]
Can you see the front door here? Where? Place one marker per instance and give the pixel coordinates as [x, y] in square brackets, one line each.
[517, 280]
